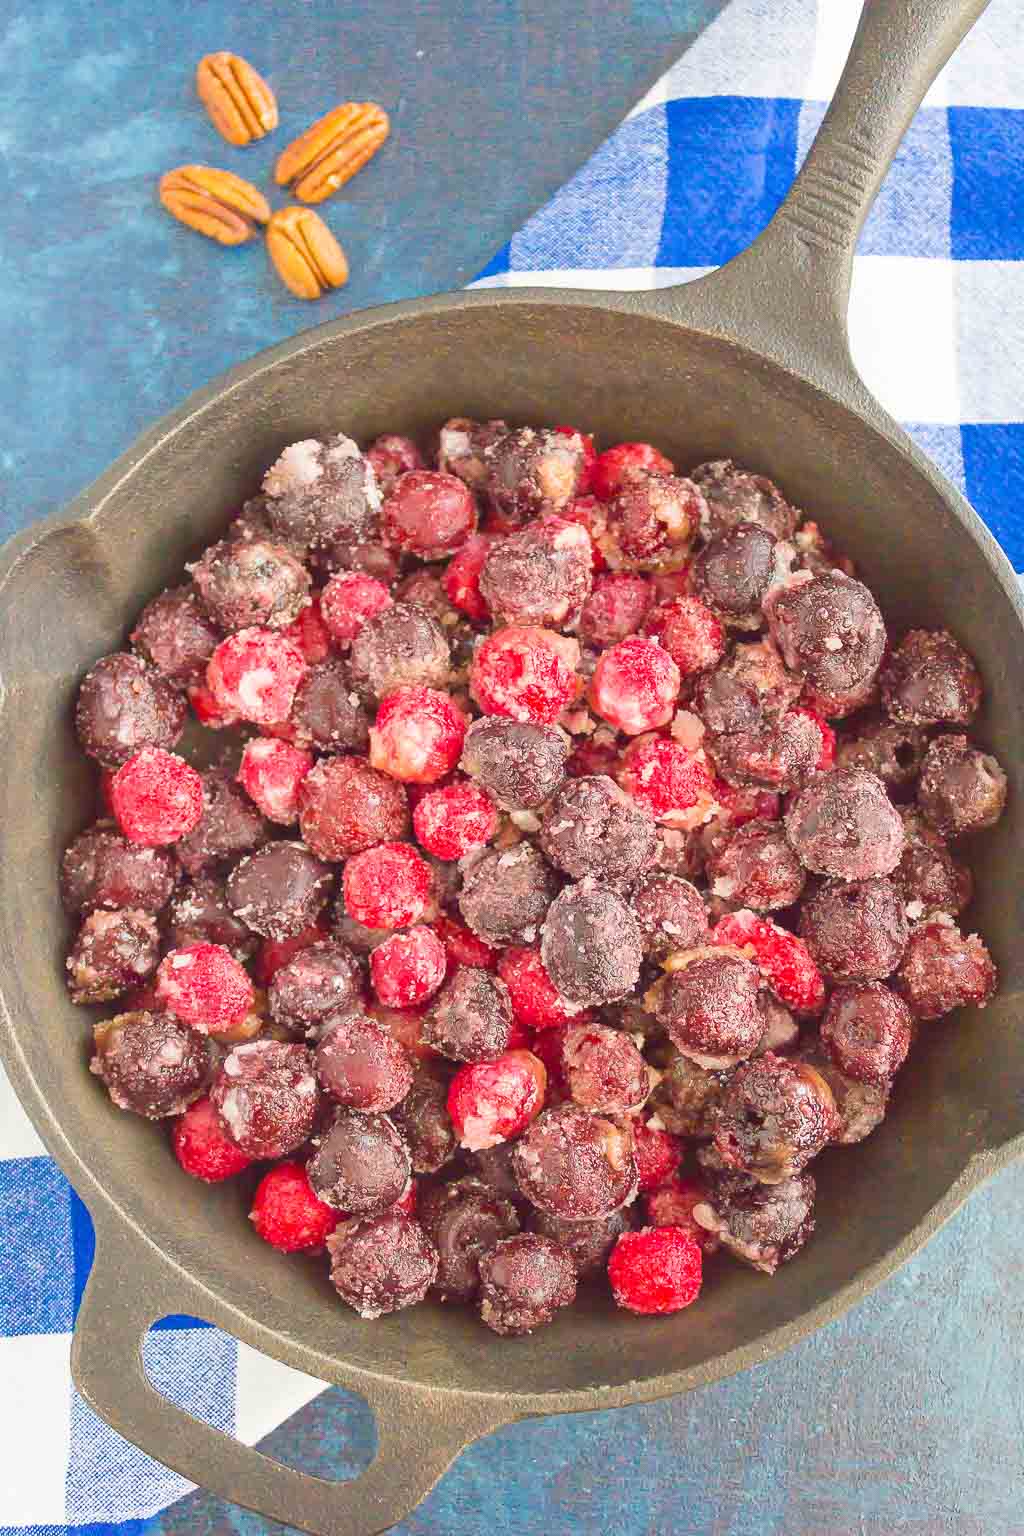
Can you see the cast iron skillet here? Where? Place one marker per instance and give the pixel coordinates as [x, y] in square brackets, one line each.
[752, 362]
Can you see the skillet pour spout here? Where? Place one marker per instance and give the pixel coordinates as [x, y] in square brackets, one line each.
[751, 362]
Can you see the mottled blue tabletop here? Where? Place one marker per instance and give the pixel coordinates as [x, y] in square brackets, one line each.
[908, 1414]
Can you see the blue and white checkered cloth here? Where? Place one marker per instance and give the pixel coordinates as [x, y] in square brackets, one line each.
[688, 180]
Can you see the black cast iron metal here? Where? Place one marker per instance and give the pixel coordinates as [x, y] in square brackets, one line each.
[752, 362]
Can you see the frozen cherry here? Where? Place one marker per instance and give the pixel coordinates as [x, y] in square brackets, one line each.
[247, 583]
[321, 979]
[112, 952]
[780, 754]
[710, 1006]
[424, 588]
[408, 967]
[523, 1282]
[531, 472]
[230, 826]
[615, 465]
[348, 600]
[672, 1205]
[526, 673]
[762, 1224]
[827, 754]
[750, 687]
[686, 1097]
[150, 1064]
[361, 1165]
[327, 713]
[505, 895]
[576, 1165]
[652, 521]
[199, 914]
[860, 1106]
[125, 706]
[592, 515]
[175, 636]
[255, 673]
[867, 1030]
[670, 781]
[287, 1214]
[670, 913]
[418, 735]
[592, 827]
[389, 886]
[322, 498]
[461, 447]
[464, 1220]
[461, 945]
[429, 513]
[205, 987]
[535, 1003]
[461, 579]
[756, 867]
[471, 1019]
[844, 824]
[773, 1117]
[455, 819]
[927, 877]
[603, 1069]
[735, 496]
[101, 868]
[271, 773]
[157, 797]
[635, 686]
[961, 788]
[272, 954]
[930, 680]
[942, 969]
[591, 945]
[423, 1119]
[403, 646]
[518, 763]
[201, 1147]
[656, 1270]
[360, 1064]
[266, 1096]
[615, 609]
[346, 807]
[829, 628]
[382, 1263]
[689, 631]
[208, 710]
[279, 891]
[493, 1101]
[587, 1242]
[784, 961]
[310, 633]
[856, 931]
[894, 752]
[733, 572]
[541, 575]
[392, 455]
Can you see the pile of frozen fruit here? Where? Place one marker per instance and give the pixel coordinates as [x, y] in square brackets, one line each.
[580, 867]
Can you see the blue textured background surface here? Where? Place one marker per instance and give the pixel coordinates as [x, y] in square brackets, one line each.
[908, 1415]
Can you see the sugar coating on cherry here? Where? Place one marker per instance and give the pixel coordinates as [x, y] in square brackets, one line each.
[635, 686]
[693, 636]
[784, 960]
[265, 1095]
[672, 782]
[655, 1271]
[124, 706]
[157, 797]
[540, 575]
[389, 886]
[452, 820]
[205, 987]
[524, 1280]
[603, 1069]
[254, 673]
[346, 807]
[471, 1017]
[494, 1101]
[408, 967]
[612, 467]
[271, 773]
[359, 1063]
[525, 672]
[287, 1214]
[575, 1164]
[383, 1263]
[429, 513]
[348, 600]
[535, 1002]
[867, 1030]
[202, 1148]
[461, 579]
[417, 736]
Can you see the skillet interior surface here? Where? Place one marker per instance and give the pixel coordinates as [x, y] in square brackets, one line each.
[71, 594]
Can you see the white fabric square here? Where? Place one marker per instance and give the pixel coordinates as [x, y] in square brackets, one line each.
[902, 335]
[836, 25]
[988, 68]
[35, 1428]
[752, 48]
[267, 1393]
[18, 1136]
[989, 303]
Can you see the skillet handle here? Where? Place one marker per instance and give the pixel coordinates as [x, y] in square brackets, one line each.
[419, 1434]
[788, 292]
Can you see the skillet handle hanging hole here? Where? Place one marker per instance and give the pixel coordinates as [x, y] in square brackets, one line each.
[419, 1432]
[787, 294]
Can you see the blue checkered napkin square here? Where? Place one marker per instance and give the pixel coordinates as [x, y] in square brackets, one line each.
[690, 177]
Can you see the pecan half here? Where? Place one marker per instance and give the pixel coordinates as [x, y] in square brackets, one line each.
[241, 105]
[331, 152]
[305, 254]
[215, 203]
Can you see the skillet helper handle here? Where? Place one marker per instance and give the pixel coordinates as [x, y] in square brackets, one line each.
[418, 1434]
[789, 291]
